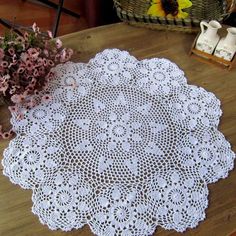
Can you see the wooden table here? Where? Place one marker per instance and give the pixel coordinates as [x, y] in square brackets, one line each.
[16, 218]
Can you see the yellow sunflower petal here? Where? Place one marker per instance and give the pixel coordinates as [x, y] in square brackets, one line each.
[170, 16]
[184, 4]
[156, 10]
[182, 14]
[152, 10]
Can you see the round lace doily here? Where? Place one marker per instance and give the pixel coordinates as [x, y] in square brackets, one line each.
[124, 146]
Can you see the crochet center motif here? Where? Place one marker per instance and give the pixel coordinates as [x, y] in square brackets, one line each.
[124, 146]
[118, 135]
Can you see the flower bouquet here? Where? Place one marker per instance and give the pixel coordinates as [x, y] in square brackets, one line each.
[26, 60]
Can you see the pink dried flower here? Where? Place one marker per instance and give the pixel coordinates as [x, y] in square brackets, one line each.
[63, 56]
[6, 77]
[33, 82]
[29, 65]
[13, 109]
[4, 64]
[50, 34]
[26, 36]
[20, 40]
[13, 89]
[35, 28]
[39, 62]
[6, 135]
[70, 52]
[12, 64]
[45, 62]
[57, 57]
[50, 75]
[46, 44]
[33, 53]
[32, 103]
[20, 70]
[35, 73]
[36, 92]
[46, 98]
[24, 57]
[51, 63]
[45, 51]
[11, 51]
[29, 88]
[58, 43]
[3, 87]
[39, 50]
[41, 70]
[14, 58]
[25, 94]
[14, 75]
[45, 86]
[25, 68]
[2, 54]
[67, 58]
[18, 98]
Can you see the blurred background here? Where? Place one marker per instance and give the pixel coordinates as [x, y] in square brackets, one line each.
[76, 15]
[25, 12]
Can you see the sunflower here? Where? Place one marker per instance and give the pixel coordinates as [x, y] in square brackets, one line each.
[169, 8]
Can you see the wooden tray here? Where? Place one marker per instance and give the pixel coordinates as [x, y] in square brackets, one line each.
[209, 58]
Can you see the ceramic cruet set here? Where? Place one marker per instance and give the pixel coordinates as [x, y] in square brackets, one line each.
[209, 41]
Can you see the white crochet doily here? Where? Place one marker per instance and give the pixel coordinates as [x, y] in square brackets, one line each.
[124, 146]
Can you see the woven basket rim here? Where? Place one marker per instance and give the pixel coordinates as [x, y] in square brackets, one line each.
[227, 10]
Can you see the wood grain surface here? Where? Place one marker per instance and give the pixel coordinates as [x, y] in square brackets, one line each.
[16, 218]
[26, 12]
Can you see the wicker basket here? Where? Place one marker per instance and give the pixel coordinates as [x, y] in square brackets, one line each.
[135, 12]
